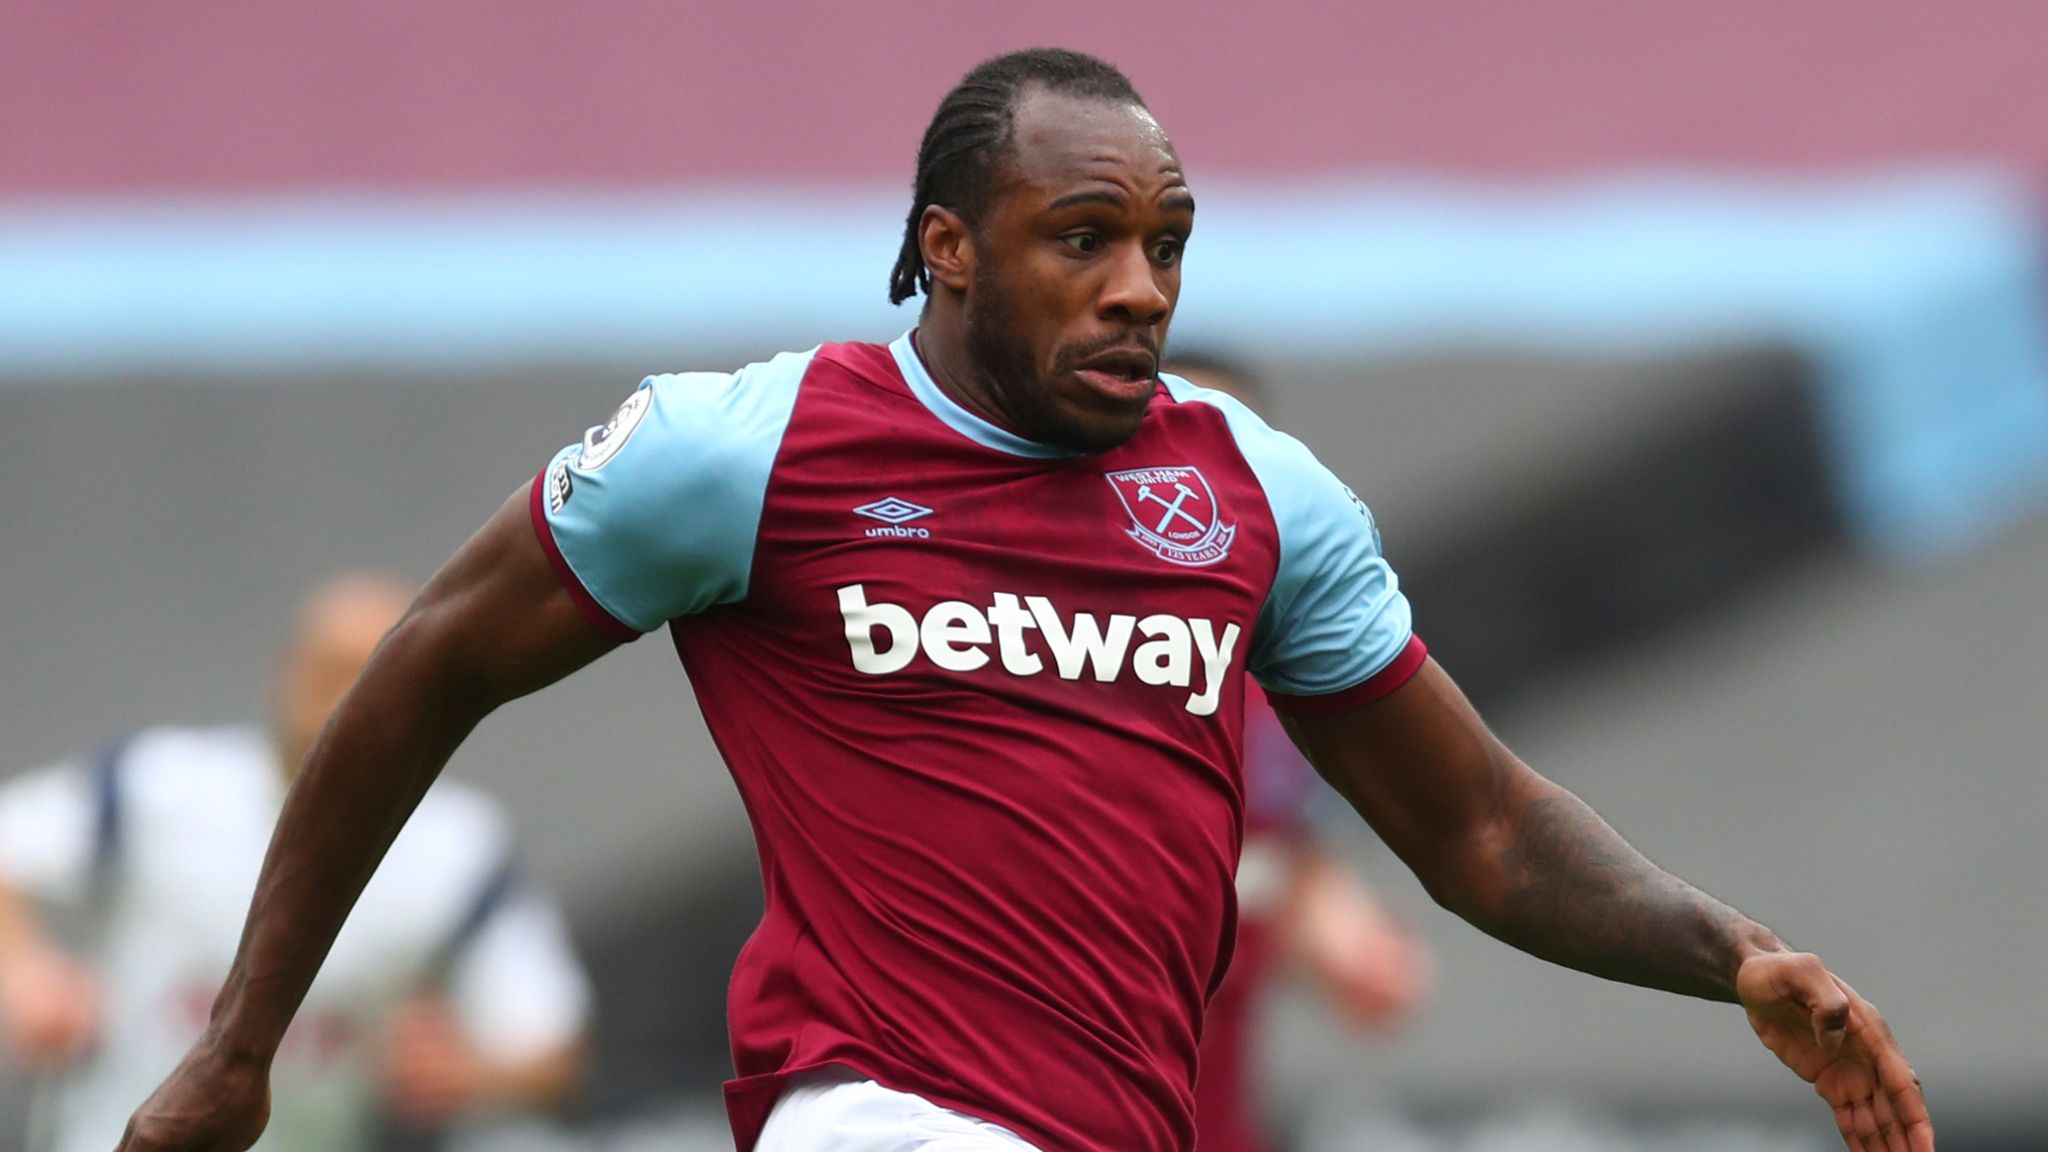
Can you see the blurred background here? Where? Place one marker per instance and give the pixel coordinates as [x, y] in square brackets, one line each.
[1691, 357]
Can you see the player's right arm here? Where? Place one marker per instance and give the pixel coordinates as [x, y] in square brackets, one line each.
[494, 624]
[651, 517]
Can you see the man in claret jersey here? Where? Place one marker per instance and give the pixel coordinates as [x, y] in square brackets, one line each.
[969, 616]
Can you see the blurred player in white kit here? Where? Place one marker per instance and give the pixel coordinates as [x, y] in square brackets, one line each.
[452, 991]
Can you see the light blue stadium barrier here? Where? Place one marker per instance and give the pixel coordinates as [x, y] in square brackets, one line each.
[1917, 294]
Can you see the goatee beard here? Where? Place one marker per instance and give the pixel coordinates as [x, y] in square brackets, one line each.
[1009, 378]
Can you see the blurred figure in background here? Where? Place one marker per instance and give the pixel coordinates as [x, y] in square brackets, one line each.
[1296, 901]
[452, 991]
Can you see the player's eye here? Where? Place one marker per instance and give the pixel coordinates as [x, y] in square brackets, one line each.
[1084, 242]
[1168, 251]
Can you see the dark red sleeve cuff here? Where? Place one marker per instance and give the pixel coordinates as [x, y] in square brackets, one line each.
[1381, 683]
[587, 604]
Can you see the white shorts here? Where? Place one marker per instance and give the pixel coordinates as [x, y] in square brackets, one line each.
[836, 1110]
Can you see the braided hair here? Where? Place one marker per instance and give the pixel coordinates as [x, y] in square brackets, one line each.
[970, 136]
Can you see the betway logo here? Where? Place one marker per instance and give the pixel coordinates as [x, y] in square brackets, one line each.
[957, 635]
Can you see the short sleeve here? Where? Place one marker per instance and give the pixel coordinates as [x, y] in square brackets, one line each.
[48, 819]
[518, 987]
[653, 515]
[1335, 631]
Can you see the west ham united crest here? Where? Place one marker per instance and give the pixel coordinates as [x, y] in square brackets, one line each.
[1173, 513]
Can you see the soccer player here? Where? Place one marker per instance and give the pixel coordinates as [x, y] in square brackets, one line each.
[1296, 901]
[969, 615]
[453, 989]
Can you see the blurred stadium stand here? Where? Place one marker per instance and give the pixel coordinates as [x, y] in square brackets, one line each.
[1693, 363]
[223, 95]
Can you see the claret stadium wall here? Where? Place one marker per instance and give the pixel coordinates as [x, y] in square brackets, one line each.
[1707, 423]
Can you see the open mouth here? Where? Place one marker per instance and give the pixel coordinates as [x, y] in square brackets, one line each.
[1125, 386]
[1126, 376]
[1130, 367]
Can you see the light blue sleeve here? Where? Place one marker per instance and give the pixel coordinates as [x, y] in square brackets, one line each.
[1335, 616]
[654, 515]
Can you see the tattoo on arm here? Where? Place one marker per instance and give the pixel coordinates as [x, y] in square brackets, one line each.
[1579, 895]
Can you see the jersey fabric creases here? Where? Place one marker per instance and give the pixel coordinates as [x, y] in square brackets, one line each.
[983, 700]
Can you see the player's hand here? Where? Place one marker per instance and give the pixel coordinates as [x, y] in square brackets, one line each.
[1838, 1043]
[51, 1006]
[209, 1104]
[432, 1072]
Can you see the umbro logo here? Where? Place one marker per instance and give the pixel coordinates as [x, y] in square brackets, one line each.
[895, 512]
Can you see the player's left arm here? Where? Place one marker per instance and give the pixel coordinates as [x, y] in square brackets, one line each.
[1531, 864]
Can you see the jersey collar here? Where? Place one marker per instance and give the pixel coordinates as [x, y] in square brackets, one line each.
[957, 418]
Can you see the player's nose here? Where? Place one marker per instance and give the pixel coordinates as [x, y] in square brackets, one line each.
[1133, 291]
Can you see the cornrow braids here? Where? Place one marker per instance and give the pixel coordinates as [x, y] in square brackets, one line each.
[970, 136]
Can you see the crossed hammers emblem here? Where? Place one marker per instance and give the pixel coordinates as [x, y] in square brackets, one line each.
[1173, 506]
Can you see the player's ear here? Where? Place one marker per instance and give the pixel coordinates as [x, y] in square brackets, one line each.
[948, 246]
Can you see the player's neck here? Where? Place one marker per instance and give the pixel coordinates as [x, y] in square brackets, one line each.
[941, 343]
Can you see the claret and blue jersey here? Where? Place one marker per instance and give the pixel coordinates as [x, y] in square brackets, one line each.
[984, 701]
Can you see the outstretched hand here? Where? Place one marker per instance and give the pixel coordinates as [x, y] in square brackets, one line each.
[1836, 1041]
[209, 1104]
